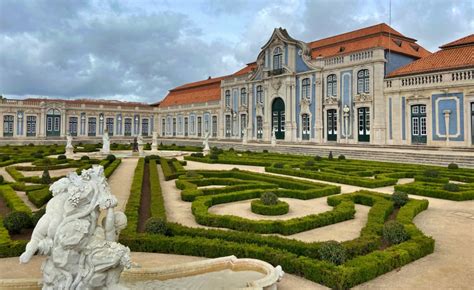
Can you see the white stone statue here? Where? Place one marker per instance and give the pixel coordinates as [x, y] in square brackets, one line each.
[106, 143]
[81, 252]
[244, 137]
[154, 142]
[273, 141]
[140, 144]
[205, 143]
[69, 147]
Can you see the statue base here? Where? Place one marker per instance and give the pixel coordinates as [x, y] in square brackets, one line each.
[205, 152]
[69, 152]
[154, 148]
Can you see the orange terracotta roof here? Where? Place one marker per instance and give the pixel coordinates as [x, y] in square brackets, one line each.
[197, 92]
[454, 55]
[90, 102]
[462, 41]
[380, 35]
[249, 68]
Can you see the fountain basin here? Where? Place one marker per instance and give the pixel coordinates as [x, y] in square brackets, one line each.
[220, 273]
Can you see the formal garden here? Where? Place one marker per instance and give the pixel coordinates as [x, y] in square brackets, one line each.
[388, 240]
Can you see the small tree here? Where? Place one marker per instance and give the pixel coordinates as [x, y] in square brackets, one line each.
[269, 198]
[155, 225]
[453, 166]
[15, 221]
[45, 177]
[394, 233]
[399, 198]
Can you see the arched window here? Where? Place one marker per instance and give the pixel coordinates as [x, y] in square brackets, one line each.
[227, 98]
[277, 58]
[305, 89]
[259, 94]
[332, 85]
[363, 81]
[243, 97]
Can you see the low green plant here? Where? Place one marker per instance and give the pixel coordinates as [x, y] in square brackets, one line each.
[431, 173]
[394, 232]
[399, 198]
[279, 165]
[265, 151]
[309, 163]
[341, 157]
[61, 157]
[214, 156]
[453, 166]
[45, 177]
[452, 187]
[110, 158]
[269, 198]
[85, 157]
[318, 158]
[15, 221]
[333, 252]
[37, 155]
[156, 225]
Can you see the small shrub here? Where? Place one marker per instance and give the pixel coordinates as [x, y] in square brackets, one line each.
[453, 166]
[333, 252]
[31, 145]
[451, 187]
[173, 145]
[330, 157]
[52, 151]
[431, 173]
[309, 163]
[278, 165]
[61, 157]
[191, 174]
[1, 179]
[110, 158]
[45, 177]
[231, 149]
[46, 161]
[147, 146]
[199, 155]
[214, 156]
[15, 221]
[399, 198]
[152, 157]
[37, 215]
[85, 157]
[269, 198]
[248, 151]
[15, 149]
[318, 158]
[265, 151]
[341, 157]
[394, 233]
[38, 155]
[155, 225]
[5, 157]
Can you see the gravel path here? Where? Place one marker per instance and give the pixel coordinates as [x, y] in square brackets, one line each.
[121, 181]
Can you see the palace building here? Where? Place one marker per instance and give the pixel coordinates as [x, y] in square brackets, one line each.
[369, 86]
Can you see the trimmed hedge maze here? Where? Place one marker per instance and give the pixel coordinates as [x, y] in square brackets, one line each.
[429, 180]
[366, 257]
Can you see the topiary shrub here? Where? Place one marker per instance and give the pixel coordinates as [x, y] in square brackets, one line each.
[199, 155]
[399, 198]
[431, 173]
[333, 252]
[309, 163]
[330, 157]
[394, 233]
[318, 158]
[231, 149]
[451, 187]
[85, 157]
[45, 177]
[15, 221]
[269, 198]
[37, 215]
[152, 157]
[38, 155]
[214, 156]
[453, 165]
[31, 145]
[156, 225]
[341, 157]
[265, 151]
[1, 179]
[147, 146]
[278, 165]
[61, 157]
[192, 174]
[5, 157]
[110, 158]
[52, 151]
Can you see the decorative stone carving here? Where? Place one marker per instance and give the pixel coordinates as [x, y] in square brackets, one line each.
[362, 97]
[140, 144]
[273, 141]
[276, 84]
[106, 142]
[135, 145]
[259, 109]
[81, 252]
[154, 142]
[205, 143]
[304, 105]
[69, 147]
[244, 137]
[331, 100]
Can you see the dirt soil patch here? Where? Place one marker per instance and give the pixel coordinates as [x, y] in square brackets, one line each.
[145, 200]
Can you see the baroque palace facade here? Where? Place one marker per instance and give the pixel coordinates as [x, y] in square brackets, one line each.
[369, 86]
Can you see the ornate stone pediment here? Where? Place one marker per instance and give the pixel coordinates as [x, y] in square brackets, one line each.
[417, 97]
[331, 100]
[362, 98]
[276, 84]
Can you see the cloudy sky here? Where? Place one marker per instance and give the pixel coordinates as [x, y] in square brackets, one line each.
[137, 50]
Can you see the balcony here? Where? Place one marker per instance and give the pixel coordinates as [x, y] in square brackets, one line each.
[276, 72]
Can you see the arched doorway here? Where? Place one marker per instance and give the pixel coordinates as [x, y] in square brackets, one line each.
[53, 122]
[278, 118]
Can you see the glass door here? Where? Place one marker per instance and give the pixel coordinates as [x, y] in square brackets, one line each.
[418, 124]
[332, 124]
[364, 124]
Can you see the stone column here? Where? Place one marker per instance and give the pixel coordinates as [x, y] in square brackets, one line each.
[1, 123]
[378, 112]
[42, 125]
[63, 123]
[318, 99]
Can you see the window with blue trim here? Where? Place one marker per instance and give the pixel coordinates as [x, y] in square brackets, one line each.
[331, 85]
[259, 94]
[227, 98]
[305, 89]
[243, 97]
[363, 81]
[277, 58]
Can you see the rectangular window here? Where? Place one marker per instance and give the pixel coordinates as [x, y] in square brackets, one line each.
[214, 126]
[282, 123]
[423, 126]
[8, 125]
[163, 127]
[128, 127]
[259, 127]
[73, 126]
[186, 126]
[56, 124]
[174, 126]
[199, 126]
[415, 125]
[109, 125]
[145, 124]
[49, 124]
[31, 126]
[227, 126]
[92, 126]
